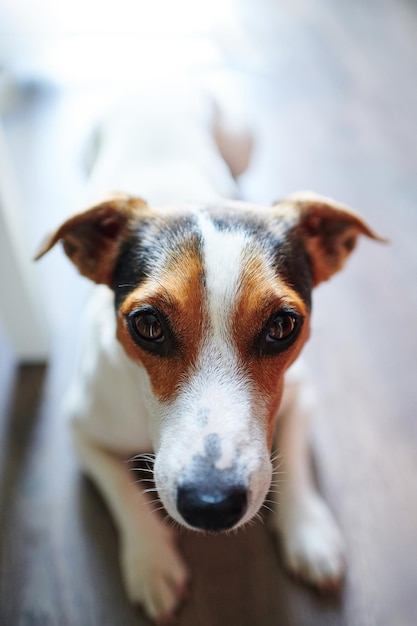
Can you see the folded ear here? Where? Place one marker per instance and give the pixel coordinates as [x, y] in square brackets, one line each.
[329, 230]
[92, 239]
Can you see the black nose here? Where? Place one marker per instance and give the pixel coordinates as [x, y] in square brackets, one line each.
[211, 509]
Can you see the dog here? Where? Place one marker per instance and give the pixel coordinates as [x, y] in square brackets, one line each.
[202, 307]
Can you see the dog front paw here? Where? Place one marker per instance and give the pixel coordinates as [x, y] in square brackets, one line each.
[312, 545]
[155, 575]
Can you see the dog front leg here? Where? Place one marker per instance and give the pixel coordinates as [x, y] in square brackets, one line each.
[153, 571]
[312, 545]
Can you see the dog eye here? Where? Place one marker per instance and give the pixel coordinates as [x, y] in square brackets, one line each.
[282, 327]
[280, 332]
[151, 330]
[148, 327]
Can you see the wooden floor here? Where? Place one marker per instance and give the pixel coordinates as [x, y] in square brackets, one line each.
[331, 89]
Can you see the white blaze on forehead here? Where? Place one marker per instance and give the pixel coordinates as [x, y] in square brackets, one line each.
[223, 252]
[220, 389]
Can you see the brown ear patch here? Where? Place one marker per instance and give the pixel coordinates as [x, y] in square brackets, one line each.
[328, 242]
[329, 231]
[92, 239]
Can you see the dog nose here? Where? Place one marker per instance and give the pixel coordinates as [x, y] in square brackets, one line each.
[212, 509]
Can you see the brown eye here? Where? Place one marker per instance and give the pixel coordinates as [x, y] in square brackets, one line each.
[148, 327]
[279, 332]
[150, 330]
[282, 327]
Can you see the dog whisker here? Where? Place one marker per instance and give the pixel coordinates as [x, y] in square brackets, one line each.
[156, 505]
[276, 480]
[268, 508]
[155, 501]
[276, 484]
[139, 482]
[143, 456]
[277, 461]
[173, 523]
[256, 519]
[158, 508]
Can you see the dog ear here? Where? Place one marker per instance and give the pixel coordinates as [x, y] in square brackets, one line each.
[92, 239]
[329, 230]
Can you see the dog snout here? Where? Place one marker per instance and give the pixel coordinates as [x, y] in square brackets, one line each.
[212, 508]
[210, 498]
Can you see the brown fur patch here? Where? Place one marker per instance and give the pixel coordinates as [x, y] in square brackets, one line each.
[328, 229]
[178, 294]
[92, 239]
[262, 294]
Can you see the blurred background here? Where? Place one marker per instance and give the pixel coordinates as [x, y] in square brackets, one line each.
[329, 91]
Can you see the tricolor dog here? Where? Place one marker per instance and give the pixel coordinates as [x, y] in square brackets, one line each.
[203, 306]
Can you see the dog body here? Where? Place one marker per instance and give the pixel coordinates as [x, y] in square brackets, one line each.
[202, 309]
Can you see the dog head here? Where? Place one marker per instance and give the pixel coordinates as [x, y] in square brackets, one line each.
[213, 304]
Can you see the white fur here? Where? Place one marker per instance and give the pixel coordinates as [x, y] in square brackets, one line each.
[159, 146]
[218, 390]
[223, 254]
[105, 398]
[114, 411]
